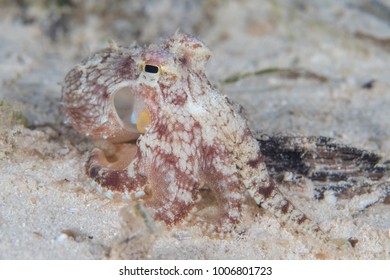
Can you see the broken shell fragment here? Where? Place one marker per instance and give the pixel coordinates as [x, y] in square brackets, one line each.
[143, 121]
[131, 111]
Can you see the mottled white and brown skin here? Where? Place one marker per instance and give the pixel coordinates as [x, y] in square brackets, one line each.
[196, 137]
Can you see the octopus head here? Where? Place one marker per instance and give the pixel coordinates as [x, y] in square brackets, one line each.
[170, 72]
[114, 94]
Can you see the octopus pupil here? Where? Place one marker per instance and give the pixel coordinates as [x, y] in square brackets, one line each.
[151, 69]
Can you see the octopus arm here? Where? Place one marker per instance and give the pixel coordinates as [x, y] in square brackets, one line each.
[117, 171]
[171, 193]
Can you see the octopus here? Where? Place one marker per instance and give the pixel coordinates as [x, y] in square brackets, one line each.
[170, 134]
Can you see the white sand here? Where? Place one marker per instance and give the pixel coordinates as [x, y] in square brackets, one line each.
[48, 209]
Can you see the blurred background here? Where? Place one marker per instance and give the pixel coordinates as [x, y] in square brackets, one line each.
[306, 67]
[319, 67]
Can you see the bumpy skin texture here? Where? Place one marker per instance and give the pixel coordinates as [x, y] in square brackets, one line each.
[196, 137]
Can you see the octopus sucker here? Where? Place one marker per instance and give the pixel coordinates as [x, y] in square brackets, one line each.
[171, 134]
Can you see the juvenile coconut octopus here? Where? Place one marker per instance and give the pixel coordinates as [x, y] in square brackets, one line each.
[172, 134]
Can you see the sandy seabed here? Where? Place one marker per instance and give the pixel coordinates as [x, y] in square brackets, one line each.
[48, 209]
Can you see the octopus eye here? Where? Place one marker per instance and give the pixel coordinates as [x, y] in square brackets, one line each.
[150, 68]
